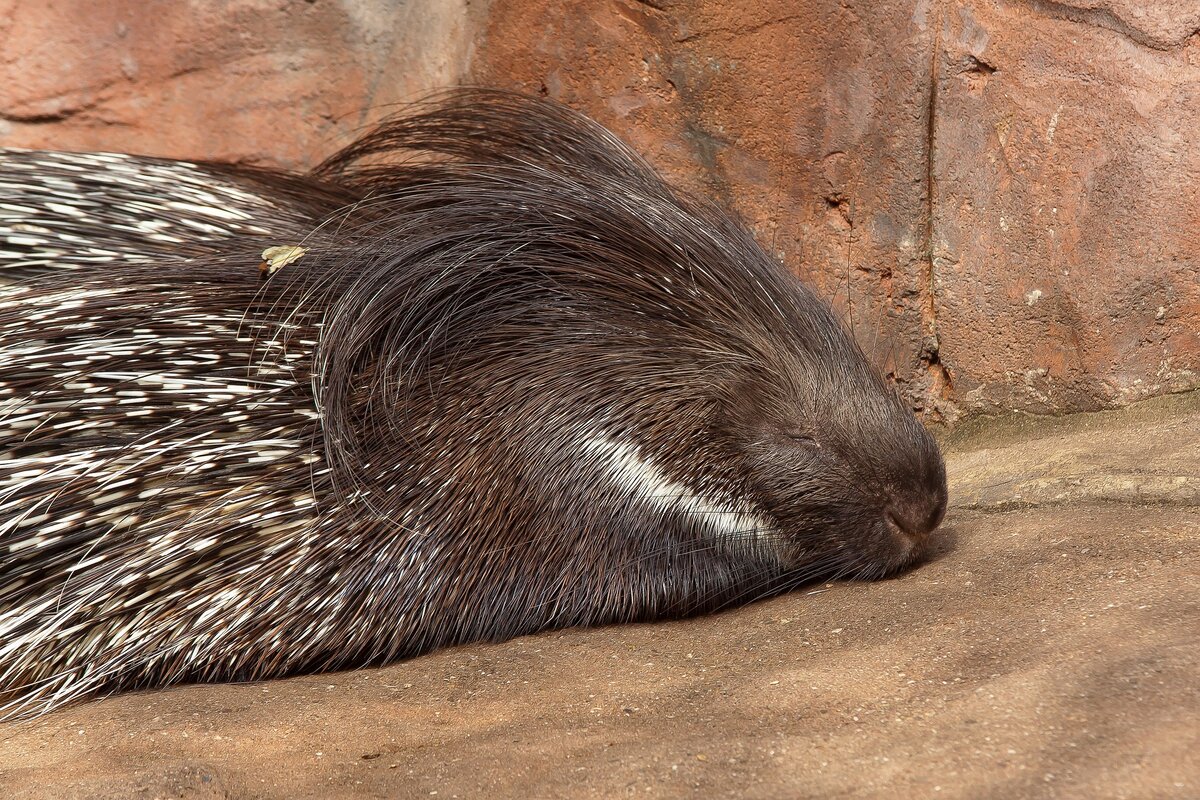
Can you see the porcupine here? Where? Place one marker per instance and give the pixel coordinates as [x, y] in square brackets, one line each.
[516, 382]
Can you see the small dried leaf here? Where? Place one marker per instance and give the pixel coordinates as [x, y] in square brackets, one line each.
[278, 257]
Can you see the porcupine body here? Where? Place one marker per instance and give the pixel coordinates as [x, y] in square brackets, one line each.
[516, 382]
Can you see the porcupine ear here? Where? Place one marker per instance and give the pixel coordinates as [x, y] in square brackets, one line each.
[494, 127]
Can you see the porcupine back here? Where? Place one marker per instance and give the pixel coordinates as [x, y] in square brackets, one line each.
[60, 211]
[515, 383]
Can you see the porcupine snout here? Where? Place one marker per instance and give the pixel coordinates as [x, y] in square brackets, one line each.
[914, 492]
[917, 506]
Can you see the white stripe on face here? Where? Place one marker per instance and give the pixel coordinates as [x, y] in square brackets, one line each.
[725, 517]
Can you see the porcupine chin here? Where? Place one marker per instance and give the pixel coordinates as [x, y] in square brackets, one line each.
[516, 383]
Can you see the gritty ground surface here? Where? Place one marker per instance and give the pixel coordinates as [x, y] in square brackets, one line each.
[1051, 648]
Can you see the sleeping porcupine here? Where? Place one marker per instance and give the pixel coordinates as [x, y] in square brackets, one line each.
[516, 382]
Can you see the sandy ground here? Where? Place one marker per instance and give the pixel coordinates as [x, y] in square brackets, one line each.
[1051, 648]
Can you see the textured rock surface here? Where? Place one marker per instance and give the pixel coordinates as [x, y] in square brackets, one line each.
[1145, 454]
[1001, 195]
[1048, 651]
[281, 81]
[1067, 206]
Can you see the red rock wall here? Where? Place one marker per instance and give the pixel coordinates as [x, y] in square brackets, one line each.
[1000, 196]
[282, 81]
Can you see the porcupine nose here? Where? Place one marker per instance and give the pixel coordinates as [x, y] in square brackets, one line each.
[917, 514]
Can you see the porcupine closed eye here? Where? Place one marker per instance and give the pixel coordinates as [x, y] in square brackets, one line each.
[515, 383]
